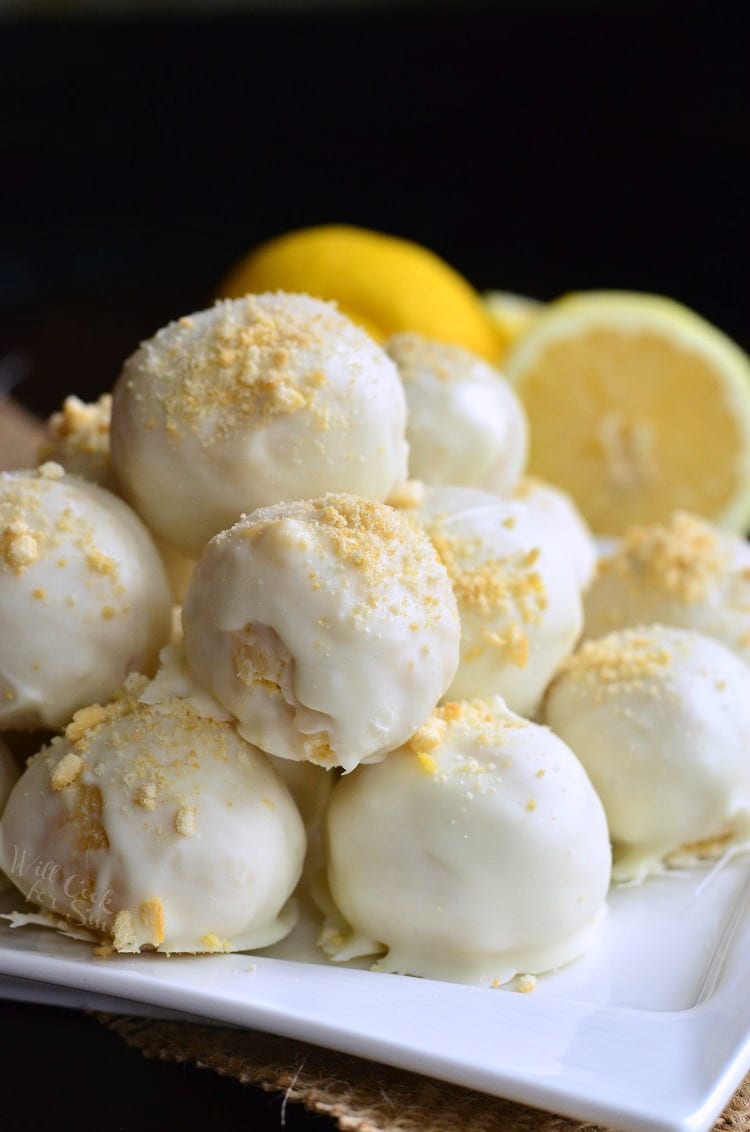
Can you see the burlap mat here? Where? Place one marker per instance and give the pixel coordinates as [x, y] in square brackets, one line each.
[358, 1095]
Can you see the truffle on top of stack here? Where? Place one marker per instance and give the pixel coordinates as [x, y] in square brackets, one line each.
[257, 401]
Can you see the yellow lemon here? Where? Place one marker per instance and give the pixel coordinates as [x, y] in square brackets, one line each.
[382, 282]
[637, 407]
[512, 315]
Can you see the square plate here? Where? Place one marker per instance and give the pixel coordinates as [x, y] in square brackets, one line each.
[648, 1031]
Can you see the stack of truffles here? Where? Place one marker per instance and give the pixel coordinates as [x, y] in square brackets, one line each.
[297, 624]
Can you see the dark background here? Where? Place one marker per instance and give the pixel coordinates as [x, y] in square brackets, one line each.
[539, 147]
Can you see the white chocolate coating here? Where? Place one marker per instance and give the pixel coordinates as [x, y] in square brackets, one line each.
[660, 719]
[465, 424]
[257, 400]
[78, 438]
[83, 597]
[557, 513]
[518, 599]
[476, 852]
[685, 573]
[309, 785]
[327, 627]
[160, 829]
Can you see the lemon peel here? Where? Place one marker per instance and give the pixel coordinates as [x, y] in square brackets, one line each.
[512, 315]
[384, 283]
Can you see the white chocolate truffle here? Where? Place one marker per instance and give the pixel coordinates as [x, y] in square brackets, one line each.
[465, 425]
[255, 401]
[660, 719]
[557, 513]
[685, 573]
[476, 852]
[327, 627]
[163, 830]
[518, 599]
[83, 597]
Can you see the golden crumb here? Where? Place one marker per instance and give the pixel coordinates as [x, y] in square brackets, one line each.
[184, 821]
[620, 660]
[145, 795]
[407, 495]
[526, 984]
[489, 586]
[679, 558]
[512, 641]
[123, 931]
[66, 771]
[427, 762]
[19, 546]
[151, 915]
[87, 818]
[429, 735]
[212, 942]
[50, 470]
[84, 720]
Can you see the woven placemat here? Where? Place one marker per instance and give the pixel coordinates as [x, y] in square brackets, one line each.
[359, 1095]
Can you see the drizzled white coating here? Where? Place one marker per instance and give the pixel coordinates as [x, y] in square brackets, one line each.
[83, 597]
[685, 572]
[475, 852]
[257, 400]
[309, 785]
[327, 627]
[518, 598]
[660, 718]
[465, 424]
[559, 517]
[155, 827]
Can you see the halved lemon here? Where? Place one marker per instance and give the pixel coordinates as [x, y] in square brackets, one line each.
[512, 315]
[382, 282]
[637, 407]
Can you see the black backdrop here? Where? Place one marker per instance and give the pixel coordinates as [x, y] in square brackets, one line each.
[540, 147]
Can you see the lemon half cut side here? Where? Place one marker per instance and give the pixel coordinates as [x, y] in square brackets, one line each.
[637, 407]
[384, 283]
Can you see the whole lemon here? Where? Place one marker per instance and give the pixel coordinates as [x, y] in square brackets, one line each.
[384, 283]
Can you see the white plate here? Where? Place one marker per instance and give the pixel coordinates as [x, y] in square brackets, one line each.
[649, 1031]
